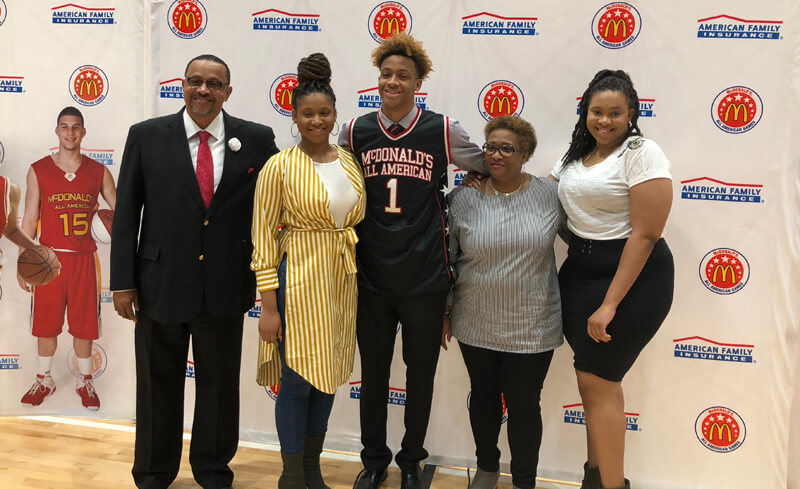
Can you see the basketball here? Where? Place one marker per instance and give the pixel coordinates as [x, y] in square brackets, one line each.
[38, 265]
[101, 225]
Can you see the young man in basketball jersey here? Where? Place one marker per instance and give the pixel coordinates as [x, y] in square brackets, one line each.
[403, 269]
[61, 199]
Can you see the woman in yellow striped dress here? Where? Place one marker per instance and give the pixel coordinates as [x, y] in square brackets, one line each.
[308, 200]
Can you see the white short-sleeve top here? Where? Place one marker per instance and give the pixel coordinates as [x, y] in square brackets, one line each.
[597, 199]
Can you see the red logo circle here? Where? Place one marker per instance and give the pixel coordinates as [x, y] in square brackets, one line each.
[283, 91]
[737, 109]
[187, 18]
[88, 85]
[500, 97]
[617, 24]
[388, 21]
[724, 270]
[720, 429]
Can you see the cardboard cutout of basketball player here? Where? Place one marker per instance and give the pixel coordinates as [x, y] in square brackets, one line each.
[61, 200]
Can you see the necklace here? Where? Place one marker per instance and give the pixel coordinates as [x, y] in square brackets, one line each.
[506, 194]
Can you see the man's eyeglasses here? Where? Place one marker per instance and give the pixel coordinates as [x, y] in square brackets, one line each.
[505, 150]
[214, 85]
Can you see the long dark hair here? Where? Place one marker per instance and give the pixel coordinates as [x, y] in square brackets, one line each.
[614, 80]
[313, 76]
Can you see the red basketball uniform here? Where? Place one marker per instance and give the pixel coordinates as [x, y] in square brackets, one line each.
[68, 202]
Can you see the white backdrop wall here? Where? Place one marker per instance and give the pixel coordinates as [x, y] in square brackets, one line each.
[728, 351]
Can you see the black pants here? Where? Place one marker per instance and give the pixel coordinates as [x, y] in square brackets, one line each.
[161, 354]
[421, 317]
[517, 378]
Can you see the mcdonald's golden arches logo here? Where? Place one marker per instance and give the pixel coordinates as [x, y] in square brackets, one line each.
[736, 109]
[616, 25]
[500, 97]
[720, 429]
[88, 85]
[281, 93]
[724, 271]
[387, 19]
[187, 19]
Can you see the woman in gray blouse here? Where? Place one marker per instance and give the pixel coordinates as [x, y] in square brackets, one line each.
[506, 309]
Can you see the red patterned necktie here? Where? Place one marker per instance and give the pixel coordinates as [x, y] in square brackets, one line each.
[205, 168]
[395, 129]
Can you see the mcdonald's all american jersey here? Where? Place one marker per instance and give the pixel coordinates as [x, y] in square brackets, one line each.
[5, 204]
[68, 202]
[402, 241]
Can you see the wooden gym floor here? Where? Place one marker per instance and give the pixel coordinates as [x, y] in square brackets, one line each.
[71, 453]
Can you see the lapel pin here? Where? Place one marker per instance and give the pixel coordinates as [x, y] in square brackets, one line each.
[234, 144]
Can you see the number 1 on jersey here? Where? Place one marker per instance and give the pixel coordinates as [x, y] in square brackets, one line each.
[392, 207]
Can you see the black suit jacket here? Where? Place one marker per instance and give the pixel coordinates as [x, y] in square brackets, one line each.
[183, 256]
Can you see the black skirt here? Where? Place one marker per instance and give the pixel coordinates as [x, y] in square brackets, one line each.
[584, 279]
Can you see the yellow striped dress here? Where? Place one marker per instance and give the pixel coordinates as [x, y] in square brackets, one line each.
[321, 291]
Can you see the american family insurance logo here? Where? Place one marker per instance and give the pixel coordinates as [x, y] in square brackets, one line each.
[646, 107]
[370, 99]
[280, 93]
[724, 271]
[387, 19]
[2, 12]
[616, 25]
[11, 84]
[720, 429]
[705, 188]
[458, 176]
[255, 311]
[189, 369]
[99, 362]
[574, 414]
[187, 19]
[278, 20]
[104, 156]
[9, 361]
[171, 88]
[700, 348]
[397, 396]
[88, 85]
[727, 27]
[500, 97]
[736, 109]
[76, 14]
[486, 24]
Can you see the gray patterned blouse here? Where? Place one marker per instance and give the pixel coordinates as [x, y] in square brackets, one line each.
[506, 293]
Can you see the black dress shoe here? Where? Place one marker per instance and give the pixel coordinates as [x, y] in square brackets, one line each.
[370, 479]
[411, 478]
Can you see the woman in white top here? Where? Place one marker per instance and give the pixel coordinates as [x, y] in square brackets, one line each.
[617, 281]
[308, 200]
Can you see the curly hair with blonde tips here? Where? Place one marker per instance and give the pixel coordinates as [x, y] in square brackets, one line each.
[404, 45]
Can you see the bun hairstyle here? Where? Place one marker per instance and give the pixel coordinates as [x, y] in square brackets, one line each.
[582, 142]
[313, 76]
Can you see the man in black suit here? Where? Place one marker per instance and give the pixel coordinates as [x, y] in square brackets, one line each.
[184, 272]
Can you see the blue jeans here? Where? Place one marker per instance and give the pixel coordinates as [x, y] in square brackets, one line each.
[301, 409]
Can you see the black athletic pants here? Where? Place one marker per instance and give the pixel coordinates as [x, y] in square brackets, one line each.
[421, 318]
